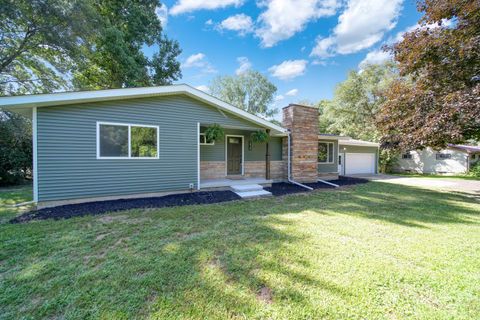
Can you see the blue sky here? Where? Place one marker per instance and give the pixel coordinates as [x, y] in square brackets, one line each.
[305, 47]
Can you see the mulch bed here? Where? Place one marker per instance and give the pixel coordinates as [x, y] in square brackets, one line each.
[283, 188]
[100, 207]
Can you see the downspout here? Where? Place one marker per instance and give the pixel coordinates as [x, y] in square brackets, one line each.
[289, 166]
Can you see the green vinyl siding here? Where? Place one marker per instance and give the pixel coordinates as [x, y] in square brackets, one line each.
[330, 167]
[67, 163]
[216, 152]
[361, 149]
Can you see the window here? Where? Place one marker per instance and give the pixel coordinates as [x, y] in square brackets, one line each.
[203, 140]
[126, 141]
[407, 156]
[325, 152]
[443, 156]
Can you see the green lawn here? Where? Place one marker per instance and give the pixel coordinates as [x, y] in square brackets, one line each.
[440, 176]
[372, 251]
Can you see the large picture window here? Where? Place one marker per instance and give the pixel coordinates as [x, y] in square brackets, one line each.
[126, 141]
[325, 152]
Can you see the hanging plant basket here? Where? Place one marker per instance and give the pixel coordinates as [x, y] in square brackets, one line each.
[214, 133]
[259, 136]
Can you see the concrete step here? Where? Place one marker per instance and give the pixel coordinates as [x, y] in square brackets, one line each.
[246, 187]
[253, 194]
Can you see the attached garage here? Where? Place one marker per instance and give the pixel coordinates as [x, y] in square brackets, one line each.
[358, 157]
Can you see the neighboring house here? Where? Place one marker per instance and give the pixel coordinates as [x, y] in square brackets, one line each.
[456, 159]
[137, 142]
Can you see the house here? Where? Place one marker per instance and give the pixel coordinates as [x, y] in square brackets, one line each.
[139, 142]
[456, 159]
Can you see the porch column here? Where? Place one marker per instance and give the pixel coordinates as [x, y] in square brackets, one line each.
[267, 158]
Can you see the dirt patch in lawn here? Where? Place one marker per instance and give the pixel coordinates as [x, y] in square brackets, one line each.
[265, 295]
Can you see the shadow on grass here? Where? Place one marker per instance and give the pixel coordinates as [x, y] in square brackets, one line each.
[196, 262]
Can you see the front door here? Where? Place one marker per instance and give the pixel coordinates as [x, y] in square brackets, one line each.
[234, 155]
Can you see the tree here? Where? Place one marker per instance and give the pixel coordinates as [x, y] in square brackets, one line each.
[437, 100]
[15, 148]
[55, 45]
[39, 40]
[356, 102]
[115, 58]
[250, 91]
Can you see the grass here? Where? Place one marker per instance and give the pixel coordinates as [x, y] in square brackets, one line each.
[439, 176]
[372, 251]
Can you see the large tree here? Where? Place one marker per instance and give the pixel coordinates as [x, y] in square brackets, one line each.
[438, 99]
[115, 58]
[250, 91]
[55, 45]
[357, 101]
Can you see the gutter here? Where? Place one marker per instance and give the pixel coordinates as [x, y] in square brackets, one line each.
[289, 166]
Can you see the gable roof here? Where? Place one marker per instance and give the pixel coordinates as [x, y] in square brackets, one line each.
[24, 103]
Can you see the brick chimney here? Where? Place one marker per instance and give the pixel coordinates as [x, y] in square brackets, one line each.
[303, 124]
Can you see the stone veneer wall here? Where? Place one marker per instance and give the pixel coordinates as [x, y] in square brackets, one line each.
[303, 124]
[216, 169]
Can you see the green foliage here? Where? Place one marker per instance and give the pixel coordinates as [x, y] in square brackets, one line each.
[115, 58]
[40, 41]
[250, 91]
[15, 148]
[439, 103]
[388, 158]
[259, 136]
[357, 101]
[50, 45]
[475, 170]
[214, 133]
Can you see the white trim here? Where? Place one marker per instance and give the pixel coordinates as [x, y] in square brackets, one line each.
[198, 155]
[226, 152]
[129, 126]
[328, 153]
[53, 99]
[35, 154]
[205, 143]
[353, 142]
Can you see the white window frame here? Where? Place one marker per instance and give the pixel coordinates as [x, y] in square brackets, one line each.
[328, 153]
[443, 156]
[205, 143]
[407, 156]
[129, 125]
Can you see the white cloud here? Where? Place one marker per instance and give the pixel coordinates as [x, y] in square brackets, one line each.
[241, 23]
[279, 97]
[361, 25]
[244, 65]
[203, 88]
[375, 57]
[209, 22]
[288, 69]
[199, 60]
[292, 93]
[283, 18]
[183, 6]
[162, 14]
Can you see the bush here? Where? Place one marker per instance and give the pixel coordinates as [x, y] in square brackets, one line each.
[475, 170]
[15, 148]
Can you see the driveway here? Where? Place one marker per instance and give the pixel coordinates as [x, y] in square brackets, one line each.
[445, 184]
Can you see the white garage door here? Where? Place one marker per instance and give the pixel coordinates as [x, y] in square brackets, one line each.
[357, 163]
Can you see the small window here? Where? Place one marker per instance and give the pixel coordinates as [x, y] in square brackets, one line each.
[407, 156]
[203, 140]
[125, 141]
[325, 152]
[443, 156]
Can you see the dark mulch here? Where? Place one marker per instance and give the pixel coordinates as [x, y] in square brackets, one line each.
[100, 207]
[95, 208]
[283, 188]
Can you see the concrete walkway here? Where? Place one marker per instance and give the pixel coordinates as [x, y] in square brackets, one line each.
[444, 183]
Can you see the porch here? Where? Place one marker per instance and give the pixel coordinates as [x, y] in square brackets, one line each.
[227, 182]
